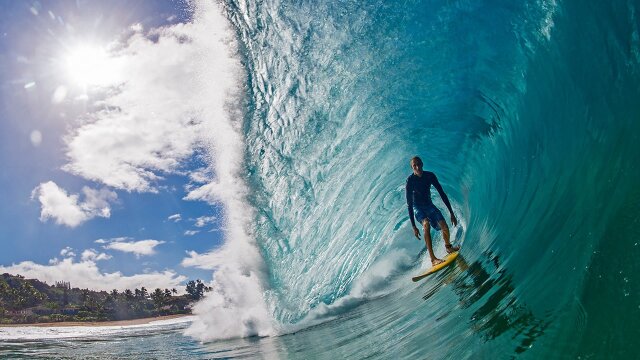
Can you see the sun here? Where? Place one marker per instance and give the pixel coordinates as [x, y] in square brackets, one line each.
[88, 65]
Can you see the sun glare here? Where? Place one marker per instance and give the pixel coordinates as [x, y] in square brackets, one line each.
[91, 65]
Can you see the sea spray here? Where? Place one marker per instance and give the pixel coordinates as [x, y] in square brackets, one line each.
[235, 307]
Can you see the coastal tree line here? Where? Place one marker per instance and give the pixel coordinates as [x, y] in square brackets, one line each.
[31, 301]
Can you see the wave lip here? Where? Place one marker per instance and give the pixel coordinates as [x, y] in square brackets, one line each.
[235, 307]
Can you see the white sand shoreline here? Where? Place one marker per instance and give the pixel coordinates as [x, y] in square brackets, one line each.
[141, 321]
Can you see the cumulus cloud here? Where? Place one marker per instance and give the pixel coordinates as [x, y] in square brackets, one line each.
[191, 232]
[68, 209]
[154, 119]
[86, 274]
[93, 255]
[175, 217]
[207, 261]
[67, 252]
[204, 220]
[139, 248]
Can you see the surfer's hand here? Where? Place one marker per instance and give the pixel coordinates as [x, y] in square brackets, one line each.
[454, 221]
[416, 232]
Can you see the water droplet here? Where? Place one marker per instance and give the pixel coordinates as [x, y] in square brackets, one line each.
[36, 137]
[59, 95]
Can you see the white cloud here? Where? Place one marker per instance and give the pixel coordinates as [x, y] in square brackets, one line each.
[204, 220]
[175, 217]
[86, 274]
[201, 176]
[207, 261]
[93, 255]
[67, 252]
[191, 232]
[142, 247]
[156, 118]
[68, 209]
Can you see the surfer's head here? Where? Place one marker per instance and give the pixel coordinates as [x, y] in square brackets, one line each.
[416, 165]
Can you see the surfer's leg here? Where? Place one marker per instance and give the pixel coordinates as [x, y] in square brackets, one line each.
[427, 240]
[445, 236]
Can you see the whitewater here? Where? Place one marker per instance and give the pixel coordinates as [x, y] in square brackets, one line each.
[526, 111]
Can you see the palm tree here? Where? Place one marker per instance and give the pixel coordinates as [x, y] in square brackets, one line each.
[158, 298]
[83, 295]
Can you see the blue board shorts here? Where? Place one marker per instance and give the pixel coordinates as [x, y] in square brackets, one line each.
[430, 212]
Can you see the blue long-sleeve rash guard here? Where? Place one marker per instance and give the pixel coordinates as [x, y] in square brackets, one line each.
[419, 192]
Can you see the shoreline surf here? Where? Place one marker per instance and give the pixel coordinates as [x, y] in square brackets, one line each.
[131, 322]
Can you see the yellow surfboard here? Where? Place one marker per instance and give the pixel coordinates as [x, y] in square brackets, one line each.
[447, 261]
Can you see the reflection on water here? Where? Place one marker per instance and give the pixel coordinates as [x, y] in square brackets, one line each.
[487, 285]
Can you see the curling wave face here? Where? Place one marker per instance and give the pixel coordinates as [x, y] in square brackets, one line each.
[524, 111]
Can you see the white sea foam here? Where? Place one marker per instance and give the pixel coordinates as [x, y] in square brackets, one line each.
[236, 306]
[375, 282]
[66, 332]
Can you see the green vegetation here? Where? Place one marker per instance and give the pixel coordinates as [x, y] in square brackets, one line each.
[25, 301]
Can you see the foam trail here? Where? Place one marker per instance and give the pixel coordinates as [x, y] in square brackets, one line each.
[374, 283]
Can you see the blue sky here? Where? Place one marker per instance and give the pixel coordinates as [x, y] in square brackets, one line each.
[97, 158]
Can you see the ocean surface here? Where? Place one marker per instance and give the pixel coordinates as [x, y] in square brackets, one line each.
[529, 114]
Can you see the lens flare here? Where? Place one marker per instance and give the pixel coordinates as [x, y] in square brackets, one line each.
[89, 65]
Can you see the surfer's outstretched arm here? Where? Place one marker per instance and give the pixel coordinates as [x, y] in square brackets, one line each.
[445, 199]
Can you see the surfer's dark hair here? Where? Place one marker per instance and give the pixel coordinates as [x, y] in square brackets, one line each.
[417, 160]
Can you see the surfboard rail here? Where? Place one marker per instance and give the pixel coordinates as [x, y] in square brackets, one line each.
[446, 262]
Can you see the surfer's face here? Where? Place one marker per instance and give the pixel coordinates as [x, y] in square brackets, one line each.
[417, 167]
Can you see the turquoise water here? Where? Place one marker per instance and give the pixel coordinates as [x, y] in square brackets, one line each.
[528, 113]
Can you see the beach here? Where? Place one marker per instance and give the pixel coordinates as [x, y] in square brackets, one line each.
[141, 321]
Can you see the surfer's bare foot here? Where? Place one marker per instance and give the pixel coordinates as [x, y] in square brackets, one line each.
[451, 249]
[436, 261]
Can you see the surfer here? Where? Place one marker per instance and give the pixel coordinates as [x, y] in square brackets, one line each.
[419, 203]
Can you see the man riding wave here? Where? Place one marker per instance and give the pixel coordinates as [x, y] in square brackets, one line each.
[421, 207]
